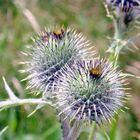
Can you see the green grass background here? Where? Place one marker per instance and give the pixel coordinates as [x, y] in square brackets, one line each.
[16, 30]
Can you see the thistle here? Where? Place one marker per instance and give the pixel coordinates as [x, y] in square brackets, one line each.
[52, 50]
[91, 91]
[129, 10]
[125, 5]
[61, 65]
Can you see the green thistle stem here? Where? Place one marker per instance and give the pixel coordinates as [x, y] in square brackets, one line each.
[118, 36]
[92, 131]
[114, 127]
[73, 134]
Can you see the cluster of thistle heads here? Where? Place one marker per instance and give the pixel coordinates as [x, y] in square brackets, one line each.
[65, 69]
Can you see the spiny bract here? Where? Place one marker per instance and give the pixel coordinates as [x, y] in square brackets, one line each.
[90, 91]
[52, 50]
[125, 5]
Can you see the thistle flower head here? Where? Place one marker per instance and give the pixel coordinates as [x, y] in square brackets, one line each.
[90, 91]
[125, 5]
[52, 50]
[127, 10]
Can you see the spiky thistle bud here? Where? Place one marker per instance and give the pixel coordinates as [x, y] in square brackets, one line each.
[52, 50]
[125, 5]
[90, 91]
[129, 10]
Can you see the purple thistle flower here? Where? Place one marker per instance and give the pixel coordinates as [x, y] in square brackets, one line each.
[90, 91]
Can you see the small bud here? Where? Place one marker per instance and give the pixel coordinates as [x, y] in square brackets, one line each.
[129, 10]
[125, 5]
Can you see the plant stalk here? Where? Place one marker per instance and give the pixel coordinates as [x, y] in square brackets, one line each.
[118, 36]
[92, 131]
[74, 133]
[9, 103]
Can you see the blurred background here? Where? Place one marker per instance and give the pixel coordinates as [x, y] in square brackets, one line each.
[22, 19]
